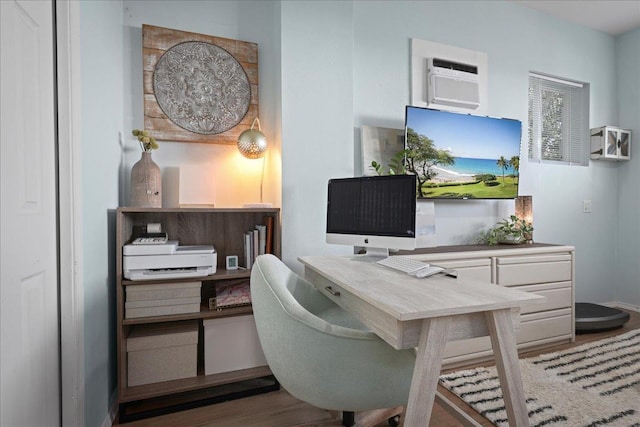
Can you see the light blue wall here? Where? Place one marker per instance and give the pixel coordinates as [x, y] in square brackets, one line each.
[327, 68]
[517, 40]
[628, 76]
[317, 119]
[102, 100]
[251, 21]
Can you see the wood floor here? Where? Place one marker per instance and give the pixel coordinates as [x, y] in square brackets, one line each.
[279, 409]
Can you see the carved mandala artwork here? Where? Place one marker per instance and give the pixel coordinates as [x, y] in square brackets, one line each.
[201, 88]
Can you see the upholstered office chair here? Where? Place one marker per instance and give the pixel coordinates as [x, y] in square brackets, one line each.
[319, 353]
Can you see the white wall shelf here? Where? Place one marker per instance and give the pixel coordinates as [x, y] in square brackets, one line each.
[610, 143]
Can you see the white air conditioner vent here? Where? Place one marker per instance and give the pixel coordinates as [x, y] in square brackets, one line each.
[452, 83]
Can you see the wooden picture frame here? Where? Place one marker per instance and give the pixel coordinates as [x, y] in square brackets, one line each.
[156, 41]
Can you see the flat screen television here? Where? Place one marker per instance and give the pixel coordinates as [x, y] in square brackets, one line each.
[462, 156]
[374, 212]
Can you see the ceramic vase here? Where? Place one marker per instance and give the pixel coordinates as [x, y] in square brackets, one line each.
[146, 183]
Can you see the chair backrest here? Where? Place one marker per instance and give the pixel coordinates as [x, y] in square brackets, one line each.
[317, 351]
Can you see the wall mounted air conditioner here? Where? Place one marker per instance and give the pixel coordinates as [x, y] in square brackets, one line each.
[452, 83]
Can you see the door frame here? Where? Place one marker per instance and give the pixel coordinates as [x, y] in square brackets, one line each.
[67, 27]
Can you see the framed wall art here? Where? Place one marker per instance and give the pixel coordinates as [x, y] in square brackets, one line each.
[198, 88]
[380, 145]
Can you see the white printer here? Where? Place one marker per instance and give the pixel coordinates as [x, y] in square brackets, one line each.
[167, 261]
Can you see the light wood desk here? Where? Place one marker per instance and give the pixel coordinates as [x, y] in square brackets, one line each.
[408, 312]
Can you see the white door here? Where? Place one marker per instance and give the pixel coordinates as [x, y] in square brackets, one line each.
[29, 343]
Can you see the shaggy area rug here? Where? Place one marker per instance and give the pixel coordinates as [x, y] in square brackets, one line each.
[594, 384]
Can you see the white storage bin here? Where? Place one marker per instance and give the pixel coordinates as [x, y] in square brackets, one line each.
[231, 344]
[162, 352]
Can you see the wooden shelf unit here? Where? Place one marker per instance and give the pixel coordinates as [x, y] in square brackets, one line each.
[222, 228]
[148, 391]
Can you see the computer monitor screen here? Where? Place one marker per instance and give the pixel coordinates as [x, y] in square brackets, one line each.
[374, 212]
[462, 156]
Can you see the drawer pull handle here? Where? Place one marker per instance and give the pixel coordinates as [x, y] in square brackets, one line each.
[331, 291]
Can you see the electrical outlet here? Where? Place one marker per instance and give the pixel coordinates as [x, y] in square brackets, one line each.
[586, 206]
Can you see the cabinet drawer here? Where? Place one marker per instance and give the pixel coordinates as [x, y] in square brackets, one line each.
[479, 269]
[559, 295]
[456, 350]
[385, 324]
[545, 328]
[479, 273]
[508, 274]
[535, 329]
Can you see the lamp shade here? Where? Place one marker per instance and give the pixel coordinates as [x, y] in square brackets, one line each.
[524, 208]
[252, 143]
[524, 211]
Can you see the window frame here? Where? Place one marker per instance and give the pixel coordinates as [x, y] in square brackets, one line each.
[574, 141]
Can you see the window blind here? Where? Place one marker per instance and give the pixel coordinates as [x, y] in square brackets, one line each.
[558, 120]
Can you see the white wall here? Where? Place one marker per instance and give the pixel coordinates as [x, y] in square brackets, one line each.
[627, 283]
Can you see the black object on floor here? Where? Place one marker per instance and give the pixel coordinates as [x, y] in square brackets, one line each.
[597, 318]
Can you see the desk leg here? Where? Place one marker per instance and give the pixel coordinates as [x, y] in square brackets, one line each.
[503, 340]
[424, 383]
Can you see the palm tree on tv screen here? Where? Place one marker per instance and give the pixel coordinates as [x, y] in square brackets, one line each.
[422, 155]
[503, 164]
[515, 164]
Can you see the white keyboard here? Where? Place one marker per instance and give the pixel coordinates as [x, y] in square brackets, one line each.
[403, 264]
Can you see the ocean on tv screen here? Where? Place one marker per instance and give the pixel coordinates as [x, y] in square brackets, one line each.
[472, 179]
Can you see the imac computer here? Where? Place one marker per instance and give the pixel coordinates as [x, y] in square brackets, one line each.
[377, 213]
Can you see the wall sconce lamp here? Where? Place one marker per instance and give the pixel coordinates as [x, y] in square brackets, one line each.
[252, 144]
[524, 210]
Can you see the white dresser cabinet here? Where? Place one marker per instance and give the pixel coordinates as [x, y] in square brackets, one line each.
[540, 268]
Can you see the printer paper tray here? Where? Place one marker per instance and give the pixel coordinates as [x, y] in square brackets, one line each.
[169, 273]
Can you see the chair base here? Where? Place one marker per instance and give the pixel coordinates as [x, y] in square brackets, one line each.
[348, 419]
[372, 418]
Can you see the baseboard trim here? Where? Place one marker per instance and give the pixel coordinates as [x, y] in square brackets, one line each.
[623, 305]
[113, 411]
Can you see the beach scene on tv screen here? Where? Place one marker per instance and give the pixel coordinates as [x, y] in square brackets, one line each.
[462, 156]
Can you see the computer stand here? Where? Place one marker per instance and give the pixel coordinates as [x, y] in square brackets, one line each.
[372, 255]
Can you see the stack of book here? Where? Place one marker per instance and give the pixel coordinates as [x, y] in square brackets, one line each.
[258, 241]
[162, 299]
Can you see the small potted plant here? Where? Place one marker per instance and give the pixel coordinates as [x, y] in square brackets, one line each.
[147, 142]
[396, 165]
[512, 230]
